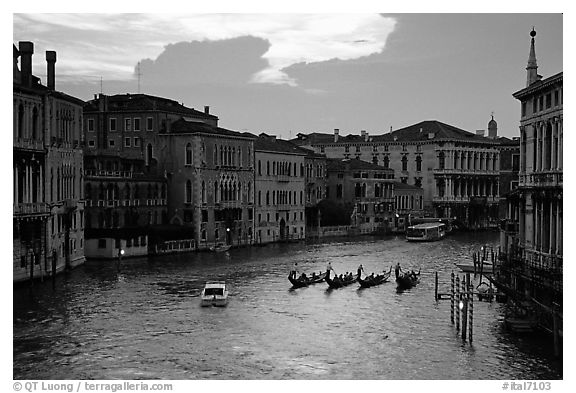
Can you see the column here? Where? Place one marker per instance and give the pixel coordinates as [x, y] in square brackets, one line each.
[41, 185]
[558, 227]
[551, 245]
[539, 148]
[28, 185]
[541, 225]
[554, 145]
[560, 138]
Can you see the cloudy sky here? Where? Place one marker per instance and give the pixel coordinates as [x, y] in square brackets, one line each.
[289, 73]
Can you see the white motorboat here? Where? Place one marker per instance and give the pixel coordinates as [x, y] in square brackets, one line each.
[215, 293]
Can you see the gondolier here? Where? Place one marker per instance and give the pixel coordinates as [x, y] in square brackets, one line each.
[294, 271]
[397, 269]
[360, 270]
[329, 267]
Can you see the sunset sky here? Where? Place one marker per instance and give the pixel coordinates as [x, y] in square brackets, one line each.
[288, 73]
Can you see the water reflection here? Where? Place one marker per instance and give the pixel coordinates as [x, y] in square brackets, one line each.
[144, 321]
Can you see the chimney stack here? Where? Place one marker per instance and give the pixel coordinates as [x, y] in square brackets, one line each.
[26, 49]
[206, 109]
[51, 65]
[336, 134]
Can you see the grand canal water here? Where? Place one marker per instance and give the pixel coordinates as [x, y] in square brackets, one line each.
[145, 322]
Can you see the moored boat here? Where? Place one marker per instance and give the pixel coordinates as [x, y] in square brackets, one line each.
[426, 232]
[215, 293]
[371, 281]
[304, 281]
[336, 282]
[220, 247]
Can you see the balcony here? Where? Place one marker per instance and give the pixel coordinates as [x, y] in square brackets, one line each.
[108, 174]
[469, 172]
[465, 199]
[37, 208]
[29, 144]
[509, 226]
[541, 179]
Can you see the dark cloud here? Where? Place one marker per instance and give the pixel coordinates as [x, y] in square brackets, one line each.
[222, 62]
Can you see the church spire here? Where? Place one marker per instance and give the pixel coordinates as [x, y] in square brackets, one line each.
[532, 68]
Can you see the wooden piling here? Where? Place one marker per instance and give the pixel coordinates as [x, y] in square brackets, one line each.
[471, 312]
[452, 298]
[465, 306]
[436, 286]
[457, 303]
[555, 328]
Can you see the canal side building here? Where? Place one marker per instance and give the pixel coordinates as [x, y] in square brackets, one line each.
[210, 176]
[280, 187]
[531, 236]
[458, 170]
[48, 211]
[363, 192]
[315, 188]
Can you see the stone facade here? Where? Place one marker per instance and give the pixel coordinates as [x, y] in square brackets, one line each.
[365, 189]
[457, 170]
[531, 236]
[280, 190]
[48, 212]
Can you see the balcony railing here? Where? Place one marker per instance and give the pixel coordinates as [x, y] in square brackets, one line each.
[115, 174]
[31, 208]
[28, 144]
[465, 199]
[541, 179]
[453, 171]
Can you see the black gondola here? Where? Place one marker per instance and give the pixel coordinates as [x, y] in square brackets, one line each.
[301, 282]
[337, 283]
[407, 280]
[368, 282]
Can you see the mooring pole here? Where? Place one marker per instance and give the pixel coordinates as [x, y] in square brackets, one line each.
[457, 302]
[465, 295]
[452, 294]
[555, 330]
[471, 318]
[436, 286]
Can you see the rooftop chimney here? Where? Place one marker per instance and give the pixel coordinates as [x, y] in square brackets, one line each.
[390, 128]
[365, 136]
[51, 66]
[480, 132]
[206, 109]
[336, 134]
[26, 49]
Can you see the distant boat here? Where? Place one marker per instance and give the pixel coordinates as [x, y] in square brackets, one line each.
[407, 280]
[220, 247]
[299, 282]
[469, 268]
[337, 283]
[426, 232]
[215, 293]
[369, 281]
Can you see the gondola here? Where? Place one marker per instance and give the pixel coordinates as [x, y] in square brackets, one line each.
[368, 282]
[299, 282]
[407, 280]
[340, 283]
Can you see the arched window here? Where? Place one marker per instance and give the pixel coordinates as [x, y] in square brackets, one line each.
[149, 154]
[21, 121]
[239, 194]
[188, 196]
[404, 163]
[34, 123]
[216, 192]
[363, 190]
[386, 162]
[188, 154]
[418, 163]
[260, 198]
[203, 192]
[267, 197]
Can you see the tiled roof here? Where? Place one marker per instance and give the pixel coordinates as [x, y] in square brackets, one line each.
[507, 141]
[413, 133]
[339, 164]
[272, 144]
[187, 126]
[145, 102]
[421, 132]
